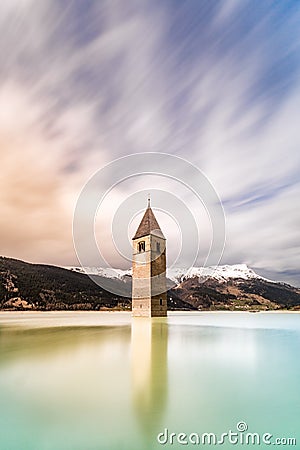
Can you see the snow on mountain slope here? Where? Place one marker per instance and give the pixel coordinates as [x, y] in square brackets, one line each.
[219, 273]
[177, 275]
[108, 272]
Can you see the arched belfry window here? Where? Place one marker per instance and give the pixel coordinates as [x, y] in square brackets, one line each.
[158, 246]
[141, 246]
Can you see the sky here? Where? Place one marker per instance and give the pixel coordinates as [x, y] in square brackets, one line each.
[217, 83]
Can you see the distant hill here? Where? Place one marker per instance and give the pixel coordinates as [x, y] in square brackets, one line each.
[238, 294]
[235, 287]
[227, 287]
[177, 275]
[25, 286]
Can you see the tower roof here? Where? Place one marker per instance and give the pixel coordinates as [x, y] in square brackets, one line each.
[148, 225]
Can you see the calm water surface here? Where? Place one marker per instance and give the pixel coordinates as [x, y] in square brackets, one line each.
[91, 381]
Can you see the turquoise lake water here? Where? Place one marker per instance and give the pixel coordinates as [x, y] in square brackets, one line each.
[91, 381]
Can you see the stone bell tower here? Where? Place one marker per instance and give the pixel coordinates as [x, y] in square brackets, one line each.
[149, 296]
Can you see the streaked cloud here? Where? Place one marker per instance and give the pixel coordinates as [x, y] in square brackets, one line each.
[84, 82]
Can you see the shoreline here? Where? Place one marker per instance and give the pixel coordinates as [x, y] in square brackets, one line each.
[126, 311]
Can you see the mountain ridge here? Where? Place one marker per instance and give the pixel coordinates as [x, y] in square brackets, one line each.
[177, 275]
[27, 286]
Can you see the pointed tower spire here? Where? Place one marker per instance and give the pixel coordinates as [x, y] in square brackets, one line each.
[148, 225]
[149, 286]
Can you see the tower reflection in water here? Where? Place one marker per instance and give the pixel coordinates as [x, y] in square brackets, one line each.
[149, 347]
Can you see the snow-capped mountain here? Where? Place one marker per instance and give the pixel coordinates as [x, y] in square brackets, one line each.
[219, 273]
[177, 275]
[227, 287]
[44, 287]
[108, 272]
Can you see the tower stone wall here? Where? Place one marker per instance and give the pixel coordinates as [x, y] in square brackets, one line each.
[149, 296]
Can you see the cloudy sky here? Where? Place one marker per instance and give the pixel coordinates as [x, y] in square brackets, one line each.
[84, 82]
